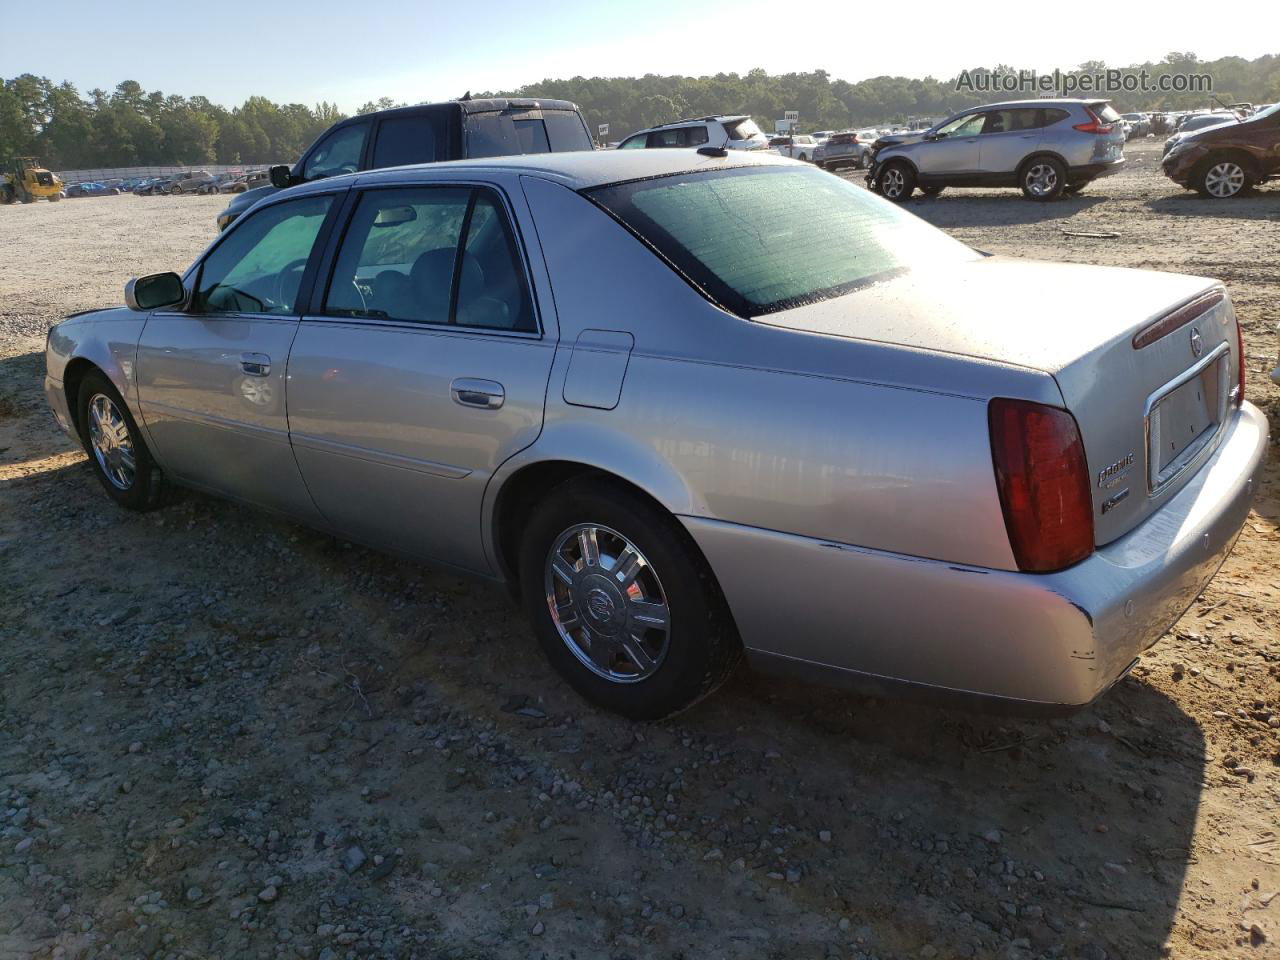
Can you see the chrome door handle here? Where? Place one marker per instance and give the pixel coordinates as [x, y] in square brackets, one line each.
[255, 364]
[470, 392]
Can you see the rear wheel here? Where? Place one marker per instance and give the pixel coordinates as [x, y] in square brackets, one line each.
[1043, 178]
[622, 602]
[117, 452]
[896, 181]
[803, 156]
[1223, 178]
[175, 189]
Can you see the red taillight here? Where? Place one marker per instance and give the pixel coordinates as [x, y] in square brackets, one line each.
[1239, 390]
[1095, 125]
[1043, 480]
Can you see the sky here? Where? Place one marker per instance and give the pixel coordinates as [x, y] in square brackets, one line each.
[346, 52]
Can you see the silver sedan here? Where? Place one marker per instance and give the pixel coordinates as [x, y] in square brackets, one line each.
[689, 404]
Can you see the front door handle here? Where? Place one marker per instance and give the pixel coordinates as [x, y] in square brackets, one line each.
[255, 364]
[471, 392]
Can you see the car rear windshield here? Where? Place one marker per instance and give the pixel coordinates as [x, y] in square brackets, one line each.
[761, 239]
[743, 129]
[1106, 113]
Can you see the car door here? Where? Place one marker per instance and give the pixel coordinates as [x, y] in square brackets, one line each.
[420, 368]
[956, 150]
[211, 376]
[1008, 137]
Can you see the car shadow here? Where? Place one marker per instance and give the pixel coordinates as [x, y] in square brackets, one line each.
[969, 834]
[1011, 209]
[1259, 204]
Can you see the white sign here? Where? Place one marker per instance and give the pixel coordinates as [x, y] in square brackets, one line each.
[603, 130]
[792, 115]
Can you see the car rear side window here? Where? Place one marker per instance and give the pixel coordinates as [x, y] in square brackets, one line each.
[419, 138]
[1053, 115]
[761, 239]
[438, 255]
[258, 267]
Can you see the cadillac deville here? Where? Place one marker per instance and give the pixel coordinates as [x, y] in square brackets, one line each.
[690, 404]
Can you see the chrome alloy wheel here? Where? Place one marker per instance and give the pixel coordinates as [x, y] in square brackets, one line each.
[607, 603]
[1041, 179]
[892, 183]
[112, 445]
[1224, 179]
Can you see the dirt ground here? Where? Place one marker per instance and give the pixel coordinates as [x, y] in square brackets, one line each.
[226, 736]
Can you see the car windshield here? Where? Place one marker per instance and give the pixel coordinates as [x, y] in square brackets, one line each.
[761, 239]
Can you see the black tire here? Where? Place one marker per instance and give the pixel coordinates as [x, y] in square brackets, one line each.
[143, 493]
[702, 643]
[896, 181]
[1042, 178]
[175, 189]
[932, 190]
[1223, 177]
[55, 198]
[803, 158]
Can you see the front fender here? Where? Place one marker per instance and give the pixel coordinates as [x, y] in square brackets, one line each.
[106, 339]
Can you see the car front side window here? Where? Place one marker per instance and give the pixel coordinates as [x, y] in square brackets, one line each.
[969, 125]
[258, 268]
[338, 153]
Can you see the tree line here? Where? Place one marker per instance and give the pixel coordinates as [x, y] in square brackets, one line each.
[131, 127]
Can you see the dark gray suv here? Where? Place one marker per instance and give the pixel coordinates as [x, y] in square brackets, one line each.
[429, 132]
[1045, 147]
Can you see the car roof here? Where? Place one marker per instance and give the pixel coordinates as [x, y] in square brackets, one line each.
[579, 170]
[488, 105]
[1054, 102]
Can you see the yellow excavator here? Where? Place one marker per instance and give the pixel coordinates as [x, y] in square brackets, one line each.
[23, 180]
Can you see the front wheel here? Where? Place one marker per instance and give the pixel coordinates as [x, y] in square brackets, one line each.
[623, 604]
[803, 157]
[175, 189]
[1223, 179]
[118, 453]
[1043, 179]
[896, 181]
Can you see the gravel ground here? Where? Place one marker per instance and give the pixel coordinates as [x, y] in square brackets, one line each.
[224, 735]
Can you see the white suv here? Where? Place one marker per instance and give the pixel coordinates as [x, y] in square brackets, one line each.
[732, 133]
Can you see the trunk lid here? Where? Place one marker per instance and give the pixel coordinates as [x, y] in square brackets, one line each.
[1148, 415]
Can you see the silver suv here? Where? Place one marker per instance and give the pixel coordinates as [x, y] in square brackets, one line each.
[731, 133]
[1046, 147]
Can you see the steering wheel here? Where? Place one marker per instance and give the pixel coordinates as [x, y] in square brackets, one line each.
[294, 266]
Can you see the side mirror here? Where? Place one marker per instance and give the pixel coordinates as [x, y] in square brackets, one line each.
[933, 135]
[153, 292]
[281, 176]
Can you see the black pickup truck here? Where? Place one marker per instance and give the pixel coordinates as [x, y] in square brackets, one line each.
[427, 133]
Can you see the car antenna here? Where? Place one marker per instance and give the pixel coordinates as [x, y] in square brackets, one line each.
[713, 151]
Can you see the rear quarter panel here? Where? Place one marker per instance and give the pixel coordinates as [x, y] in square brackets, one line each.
[728, 419]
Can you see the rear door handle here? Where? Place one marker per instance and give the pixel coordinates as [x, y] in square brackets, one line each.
[471, 392]
[255, 364]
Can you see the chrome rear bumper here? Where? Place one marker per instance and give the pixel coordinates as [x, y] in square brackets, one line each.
[841, 612]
